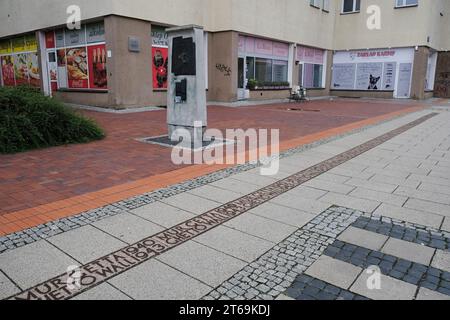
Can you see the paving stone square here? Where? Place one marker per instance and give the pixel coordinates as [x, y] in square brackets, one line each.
[391, 289]
[334, 272]
[162, 214]
[409, 251]
[366, 239]
[203, 263]
[87, 243]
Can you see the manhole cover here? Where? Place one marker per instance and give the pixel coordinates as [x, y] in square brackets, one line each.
[166, 142]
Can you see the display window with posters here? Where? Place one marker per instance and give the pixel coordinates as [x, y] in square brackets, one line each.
[19, 61]
[81, 58]
[160, 57]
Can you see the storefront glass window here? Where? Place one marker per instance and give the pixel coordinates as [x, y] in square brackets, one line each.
[312, 77]
[250, 68]
[263, 70]
[280, 71]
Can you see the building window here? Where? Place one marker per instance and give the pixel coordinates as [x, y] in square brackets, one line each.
[406, 3]
[326, 5]
[280, 71]
[263, 70]
[315, 3]
[312, 75]
[351, 6]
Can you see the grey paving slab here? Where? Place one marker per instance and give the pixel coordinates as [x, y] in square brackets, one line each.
[34, 263]
[428, 206]
[200, 262]
[235, 186]
[87, 243]
[350, 202]
[391, 289]
[446, 225]
[191, 203]
[235, 243]
[255, 179]
[441, 260]
[7, 288]
[427, 294]
[409, 215]
[354, 167]
[305, 192]
[303, 204]
[396, 181]
[154, 280]
[372, 185]
[283, 297]
[257, 226]
[163, 214]
[333, 271]
[215, 194]
[426, 186]
[103, 292]
[320, 184]
[128, 228]
[440, 174]
[384, 197]
[351, 174]
[433, 180]
[333, 178]
[289, 216]
[409, 251]
[387, 172]
[408, 168]
[363, 238]
[423, 195]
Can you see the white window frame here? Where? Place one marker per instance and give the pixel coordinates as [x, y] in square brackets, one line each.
[402, 4]
[315, 3]
[354, 7]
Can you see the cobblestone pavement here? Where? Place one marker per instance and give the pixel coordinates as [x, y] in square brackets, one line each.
[375, 198]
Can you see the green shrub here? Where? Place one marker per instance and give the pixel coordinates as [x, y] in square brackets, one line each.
[30, 120]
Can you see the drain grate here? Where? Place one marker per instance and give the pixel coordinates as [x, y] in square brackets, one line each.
[303, 110]
[166, 142]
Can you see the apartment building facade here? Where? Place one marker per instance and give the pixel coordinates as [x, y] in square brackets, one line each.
[254, 49]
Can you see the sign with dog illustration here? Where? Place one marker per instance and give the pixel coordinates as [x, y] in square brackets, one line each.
[368, 76]
[371, 70]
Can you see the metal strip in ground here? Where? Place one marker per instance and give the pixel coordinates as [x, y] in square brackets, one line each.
[103, 269]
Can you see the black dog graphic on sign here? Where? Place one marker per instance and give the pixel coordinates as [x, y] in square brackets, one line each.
[373, 82]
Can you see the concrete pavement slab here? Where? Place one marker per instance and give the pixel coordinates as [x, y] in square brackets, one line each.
[215, 194]
[391, 289]
[427, 294]
[372, 185]
[320, 184]
[302, 204]
[7, 288]
[428, 206]
[384, 197]
[409, 251]
[87, 243]
[163, 214]
[200, 262]
[154, 280]
[257, 226]
[235, 186]
[350, 202]
[191, 203]
[34, 263]
[289, 216]
[441, 260]
[363, 238]
[409, 215]
[333, 271]
[423, 195]
[235, 243]
[128, 228]
[102, 292]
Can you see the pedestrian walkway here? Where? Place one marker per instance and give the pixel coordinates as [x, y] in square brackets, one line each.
[374, 198]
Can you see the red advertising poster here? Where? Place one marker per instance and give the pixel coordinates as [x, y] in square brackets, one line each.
[98, 78]
[21, 69]
[50, 40]
[159, 65]
[8, 70]
[77, 68]
[33, 69]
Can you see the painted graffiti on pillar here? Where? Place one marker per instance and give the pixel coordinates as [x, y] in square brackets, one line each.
[226, 70]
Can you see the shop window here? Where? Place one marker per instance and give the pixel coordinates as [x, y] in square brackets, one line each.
[263, 70]
[250, 68]
[312, 75]
[350, 6]
[280, 71]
